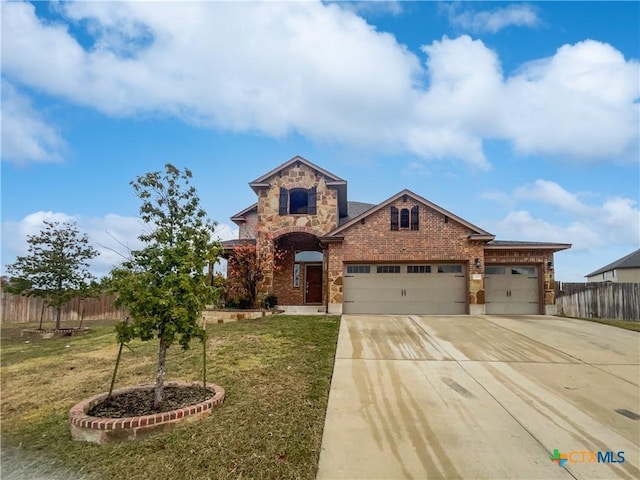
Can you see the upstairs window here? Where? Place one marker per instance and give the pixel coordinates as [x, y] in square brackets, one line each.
[404, 218]
[298, 201]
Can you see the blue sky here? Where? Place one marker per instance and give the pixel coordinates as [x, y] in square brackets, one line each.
[522, 118]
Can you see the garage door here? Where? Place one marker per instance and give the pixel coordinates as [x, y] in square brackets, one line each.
[405, 289]
[512, 289]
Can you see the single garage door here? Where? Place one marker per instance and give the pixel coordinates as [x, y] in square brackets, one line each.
[405, 289]
[512, 289]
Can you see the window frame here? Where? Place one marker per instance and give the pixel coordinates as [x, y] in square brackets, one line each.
[405, 219]
[387, 269]
[358, 269]
[419, 269]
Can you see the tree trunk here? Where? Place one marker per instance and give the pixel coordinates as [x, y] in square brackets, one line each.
[58, 315]
[162, 357]
[41, 315]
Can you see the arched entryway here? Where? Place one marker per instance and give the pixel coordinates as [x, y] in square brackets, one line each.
[298, 277]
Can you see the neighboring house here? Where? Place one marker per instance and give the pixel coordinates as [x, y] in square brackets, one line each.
[623, 270]
[405, 255]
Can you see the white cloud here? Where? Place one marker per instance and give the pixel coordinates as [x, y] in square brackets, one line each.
[587, 225]
[517, 15]
[321, 71]
[520, 224]
[26, 136]
[551, 193]
[581, 102]
[112, 235]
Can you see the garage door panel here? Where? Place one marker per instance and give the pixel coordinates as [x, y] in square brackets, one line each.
[357, 294]
[405, 293]
[512, 290]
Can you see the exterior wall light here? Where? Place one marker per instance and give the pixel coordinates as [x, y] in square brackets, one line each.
[477, 262]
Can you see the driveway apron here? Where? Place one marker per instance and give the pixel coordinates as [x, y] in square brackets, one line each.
[478, 397]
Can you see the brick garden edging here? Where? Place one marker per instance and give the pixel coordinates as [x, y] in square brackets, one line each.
[105, 430]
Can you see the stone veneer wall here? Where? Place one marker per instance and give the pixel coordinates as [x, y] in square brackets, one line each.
[271, 225]
[435, 241]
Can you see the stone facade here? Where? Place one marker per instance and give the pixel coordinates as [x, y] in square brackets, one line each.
[271, 226]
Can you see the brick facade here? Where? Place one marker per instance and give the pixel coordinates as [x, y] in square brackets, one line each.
[438, 239]
[441, 238]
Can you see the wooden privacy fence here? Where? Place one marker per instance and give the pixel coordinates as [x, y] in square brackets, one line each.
[619, 301]
[19, 309]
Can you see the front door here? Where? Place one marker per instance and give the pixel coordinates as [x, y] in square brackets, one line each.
[313, 286]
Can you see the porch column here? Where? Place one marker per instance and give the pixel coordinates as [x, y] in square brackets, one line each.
[476, 286]
[264, 250]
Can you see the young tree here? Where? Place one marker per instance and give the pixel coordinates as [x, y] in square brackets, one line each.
[247, 267]
[245, 273]
[56, 265]
[164, 285]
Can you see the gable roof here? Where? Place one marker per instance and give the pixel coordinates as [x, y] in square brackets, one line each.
[628, 261]
[238, 217]
[477, 232]
[332, 180]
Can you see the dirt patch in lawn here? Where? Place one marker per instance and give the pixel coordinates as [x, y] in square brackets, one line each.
[140, 402]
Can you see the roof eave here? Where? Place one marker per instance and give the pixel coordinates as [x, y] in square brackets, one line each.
[556, 247]
[327, 239]
[484, 238]
[259, 182]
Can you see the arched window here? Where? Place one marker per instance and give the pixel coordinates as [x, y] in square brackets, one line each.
[404, 218]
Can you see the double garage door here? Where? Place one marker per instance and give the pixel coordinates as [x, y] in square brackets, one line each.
[405, 289]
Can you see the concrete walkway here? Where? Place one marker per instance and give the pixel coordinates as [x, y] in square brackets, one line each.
[482, 397]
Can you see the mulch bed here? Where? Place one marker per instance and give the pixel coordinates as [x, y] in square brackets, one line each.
[140, 402]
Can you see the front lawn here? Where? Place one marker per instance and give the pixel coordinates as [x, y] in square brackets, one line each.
[276, 372]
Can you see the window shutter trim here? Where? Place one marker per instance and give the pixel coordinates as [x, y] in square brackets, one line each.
[394, 219]
[311, 204]
[415, 218]
[284, 201]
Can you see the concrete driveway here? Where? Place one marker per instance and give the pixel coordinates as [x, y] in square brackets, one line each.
[482, 397]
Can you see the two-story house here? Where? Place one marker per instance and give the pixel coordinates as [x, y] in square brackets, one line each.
[405, 255]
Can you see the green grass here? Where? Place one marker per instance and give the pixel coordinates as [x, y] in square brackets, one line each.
[626, 324]
[276, 372]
